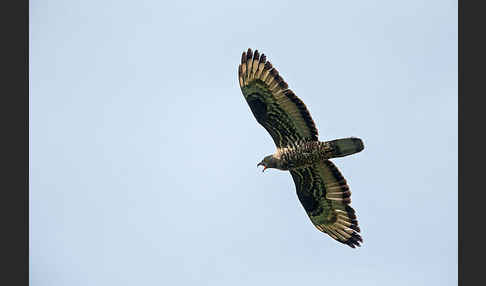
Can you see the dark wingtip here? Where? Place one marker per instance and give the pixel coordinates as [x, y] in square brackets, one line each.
[349, 210]
[354, 240]
[346, 194]
[256, 56]
[249, 54]
[263, 58]
[268, 65]
[283, 85]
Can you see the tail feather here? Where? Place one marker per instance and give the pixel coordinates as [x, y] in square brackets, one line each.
[346, 146]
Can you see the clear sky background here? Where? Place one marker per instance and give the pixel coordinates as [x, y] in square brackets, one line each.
[143, 150]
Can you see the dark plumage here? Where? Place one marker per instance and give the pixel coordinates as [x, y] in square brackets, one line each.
[320, 187]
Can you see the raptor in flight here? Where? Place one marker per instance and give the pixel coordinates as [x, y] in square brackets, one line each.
[320, 187]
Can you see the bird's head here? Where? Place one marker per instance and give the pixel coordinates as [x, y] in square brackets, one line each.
[268, 162]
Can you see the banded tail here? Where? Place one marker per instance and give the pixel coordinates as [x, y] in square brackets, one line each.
[345, 146]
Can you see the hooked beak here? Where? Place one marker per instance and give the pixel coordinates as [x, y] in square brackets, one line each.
[261, 164]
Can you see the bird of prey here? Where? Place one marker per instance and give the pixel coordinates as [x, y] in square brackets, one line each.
[320, 187]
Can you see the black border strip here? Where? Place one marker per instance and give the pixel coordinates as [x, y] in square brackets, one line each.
[14, 214]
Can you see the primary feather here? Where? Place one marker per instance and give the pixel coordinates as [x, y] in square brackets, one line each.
[320, 187]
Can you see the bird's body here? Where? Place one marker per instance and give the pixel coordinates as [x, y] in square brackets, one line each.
[320, 187]
[308, 153]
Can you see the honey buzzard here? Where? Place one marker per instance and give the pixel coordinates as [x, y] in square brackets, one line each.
[320, 187]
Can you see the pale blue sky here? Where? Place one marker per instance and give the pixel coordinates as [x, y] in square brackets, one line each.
[143, 151]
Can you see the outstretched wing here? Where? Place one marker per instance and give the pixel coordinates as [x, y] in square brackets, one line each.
[325, 196]
[274, 106]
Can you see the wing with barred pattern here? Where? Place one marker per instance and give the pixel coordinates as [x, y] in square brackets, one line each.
[325, 196]
[274, 106]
